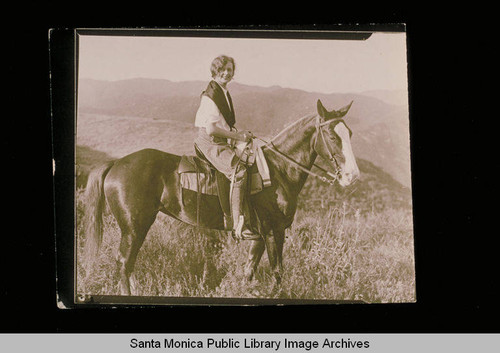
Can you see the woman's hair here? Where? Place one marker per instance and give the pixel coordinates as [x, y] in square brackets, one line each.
[219, 62]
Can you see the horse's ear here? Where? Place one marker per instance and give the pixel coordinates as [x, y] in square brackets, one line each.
[321, 110]
[343, 111]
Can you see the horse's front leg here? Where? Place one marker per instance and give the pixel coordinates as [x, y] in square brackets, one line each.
[274, 252]
[279, 238]
[254, 255]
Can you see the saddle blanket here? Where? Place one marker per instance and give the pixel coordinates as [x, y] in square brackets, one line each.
[208, 183]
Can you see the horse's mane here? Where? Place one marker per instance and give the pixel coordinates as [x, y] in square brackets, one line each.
[290, 126]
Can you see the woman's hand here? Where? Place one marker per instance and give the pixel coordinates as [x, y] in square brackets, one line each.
[246, 136]
[213, 130]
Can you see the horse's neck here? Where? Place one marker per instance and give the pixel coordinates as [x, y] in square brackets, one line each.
[296, 142]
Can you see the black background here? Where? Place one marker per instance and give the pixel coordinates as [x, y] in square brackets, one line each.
[455, 251]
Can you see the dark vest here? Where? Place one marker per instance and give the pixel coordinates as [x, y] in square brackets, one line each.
[214, 92]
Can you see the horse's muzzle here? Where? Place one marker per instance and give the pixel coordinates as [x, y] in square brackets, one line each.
[348, 178]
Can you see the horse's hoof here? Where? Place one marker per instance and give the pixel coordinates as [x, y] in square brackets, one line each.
[276, 291]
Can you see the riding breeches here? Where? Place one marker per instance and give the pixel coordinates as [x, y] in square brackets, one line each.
[221, 155]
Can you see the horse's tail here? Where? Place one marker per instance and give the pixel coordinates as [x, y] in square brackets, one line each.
[94, 209]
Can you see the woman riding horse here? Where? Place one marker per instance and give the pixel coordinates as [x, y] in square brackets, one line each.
[216, 119]
[138, 186]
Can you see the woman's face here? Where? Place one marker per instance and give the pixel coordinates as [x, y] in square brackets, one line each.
[225, 74]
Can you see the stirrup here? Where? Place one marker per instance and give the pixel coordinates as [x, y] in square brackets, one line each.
[241, 232]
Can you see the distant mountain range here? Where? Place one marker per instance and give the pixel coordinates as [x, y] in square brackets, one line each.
[379, 119]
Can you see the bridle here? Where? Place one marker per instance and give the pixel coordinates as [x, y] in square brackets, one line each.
[319, 129]
[331, 156]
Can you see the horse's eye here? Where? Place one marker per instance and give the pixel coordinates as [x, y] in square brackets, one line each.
[335, 138]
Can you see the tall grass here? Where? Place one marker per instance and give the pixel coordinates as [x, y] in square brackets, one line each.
[334, 253]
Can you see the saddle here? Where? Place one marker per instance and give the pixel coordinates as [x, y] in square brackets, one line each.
[199, 175]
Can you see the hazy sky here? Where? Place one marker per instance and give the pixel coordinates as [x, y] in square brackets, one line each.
[325, 66]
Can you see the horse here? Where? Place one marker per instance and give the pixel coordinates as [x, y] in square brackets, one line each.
[140, 185]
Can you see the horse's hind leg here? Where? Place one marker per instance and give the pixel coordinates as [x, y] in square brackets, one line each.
[279, 238]
[133, 235]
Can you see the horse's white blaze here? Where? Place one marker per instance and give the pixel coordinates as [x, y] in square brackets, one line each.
[350, 170]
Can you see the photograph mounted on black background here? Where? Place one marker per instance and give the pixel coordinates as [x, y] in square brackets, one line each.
[234, 167]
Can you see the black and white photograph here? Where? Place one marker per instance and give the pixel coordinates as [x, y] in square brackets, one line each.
[238, 168]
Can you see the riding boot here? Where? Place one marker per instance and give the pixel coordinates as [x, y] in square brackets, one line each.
[237, 199]
[224, 190]
[228, 223]
[238, 195]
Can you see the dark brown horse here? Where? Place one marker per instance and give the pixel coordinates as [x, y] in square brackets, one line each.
[138, 186]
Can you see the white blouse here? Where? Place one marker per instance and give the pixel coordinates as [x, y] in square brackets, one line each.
[208, 112]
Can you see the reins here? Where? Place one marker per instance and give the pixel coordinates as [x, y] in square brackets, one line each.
[300, 166]
[269, 145]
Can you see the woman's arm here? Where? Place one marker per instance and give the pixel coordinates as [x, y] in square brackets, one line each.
[208, 116]
[213, 130]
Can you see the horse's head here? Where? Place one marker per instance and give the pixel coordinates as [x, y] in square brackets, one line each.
[333, 143]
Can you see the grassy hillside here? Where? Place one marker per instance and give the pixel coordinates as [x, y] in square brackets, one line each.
[121, 135]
